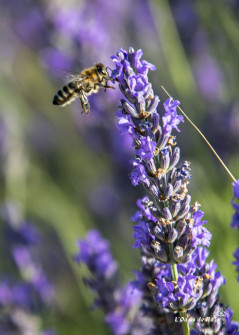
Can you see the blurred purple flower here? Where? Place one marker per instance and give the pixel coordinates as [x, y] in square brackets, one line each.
[232, 327]
[48, 332]
[23, 233]
[235, 221]
[117, 323]
[103, 200]
[18, 294]
[208, 76]
[94, 251]
[130, 297]
[31, 27]
[236, 262]
[56, 60]
[121, 305]
[31, 292]
[235, 204]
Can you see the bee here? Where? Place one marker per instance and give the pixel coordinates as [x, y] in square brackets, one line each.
[87, 82]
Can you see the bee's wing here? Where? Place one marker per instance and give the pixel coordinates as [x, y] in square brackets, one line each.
[75, 76]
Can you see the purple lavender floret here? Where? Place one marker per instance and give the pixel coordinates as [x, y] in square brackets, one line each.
[171, 119]
[144, 207]
[124, 124]
[136, 82]
[147, 148]
[186, 289]
[139, 174]
[141, 235]
[165, 293]
[201, 236]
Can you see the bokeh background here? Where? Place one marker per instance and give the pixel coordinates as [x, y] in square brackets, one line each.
[64, 173]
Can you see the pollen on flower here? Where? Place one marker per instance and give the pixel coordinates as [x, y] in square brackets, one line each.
[161, 172]
[196, 206]
[172, 141]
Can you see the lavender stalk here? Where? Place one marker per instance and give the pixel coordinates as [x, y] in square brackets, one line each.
[170, 229]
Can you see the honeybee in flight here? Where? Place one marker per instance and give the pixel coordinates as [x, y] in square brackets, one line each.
[87, 82]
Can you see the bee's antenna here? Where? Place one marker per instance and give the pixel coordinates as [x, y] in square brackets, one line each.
[107, 67]
[112, 71]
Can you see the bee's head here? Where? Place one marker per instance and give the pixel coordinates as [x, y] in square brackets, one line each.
[102, 70]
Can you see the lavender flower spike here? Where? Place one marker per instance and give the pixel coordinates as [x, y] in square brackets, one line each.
[169, 230]
[235, 221]
[120, 304]
[21, 299]
[236, 262]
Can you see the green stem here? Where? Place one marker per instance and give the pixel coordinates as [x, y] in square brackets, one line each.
[183, 314]
[174, 271]
[185, 325]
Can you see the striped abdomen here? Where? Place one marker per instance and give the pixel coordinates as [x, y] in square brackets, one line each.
[66, 95]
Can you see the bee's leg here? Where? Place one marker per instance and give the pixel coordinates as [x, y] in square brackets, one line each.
[105, 86]
[84, 102]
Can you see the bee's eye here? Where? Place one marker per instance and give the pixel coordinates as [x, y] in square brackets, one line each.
[102, 71]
